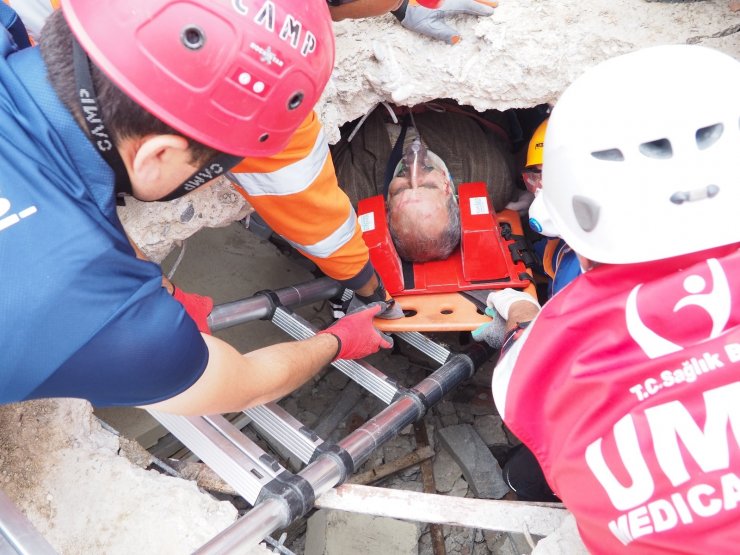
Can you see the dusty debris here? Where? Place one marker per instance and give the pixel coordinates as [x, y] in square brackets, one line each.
[388, 469]
[202, 475]
[427, 479]
[65, 472]
[335, 532]
[480, 468]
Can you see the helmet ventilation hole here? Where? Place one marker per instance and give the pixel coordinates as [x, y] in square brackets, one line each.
[609, 155]
[586, 212]
[707, 136]
[660, 149]
[710, 191]
[193, 37]
[295, 100]
[263, 137]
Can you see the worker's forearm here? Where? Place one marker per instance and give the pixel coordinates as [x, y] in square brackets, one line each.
[232, 382]
[287, 366]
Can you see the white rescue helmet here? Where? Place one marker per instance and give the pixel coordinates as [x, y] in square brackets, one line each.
[642, 158]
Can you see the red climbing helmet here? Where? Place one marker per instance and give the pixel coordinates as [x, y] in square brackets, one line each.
[236, 75]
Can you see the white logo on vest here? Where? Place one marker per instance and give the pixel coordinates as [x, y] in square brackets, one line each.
[717, 303]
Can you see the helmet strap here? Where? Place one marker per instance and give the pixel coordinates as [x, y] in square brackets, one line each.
[97, 132]
[220, 164]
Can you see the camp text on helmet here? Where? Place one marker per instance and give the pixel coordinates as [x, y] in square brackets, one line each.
[290, 31]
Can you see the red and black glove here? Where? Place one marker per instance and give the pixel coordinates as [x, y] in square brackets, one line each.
[198, 307]
[356, 334]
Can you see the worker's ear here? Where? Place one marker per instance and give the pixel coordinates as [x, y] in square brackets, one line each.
[160, 162]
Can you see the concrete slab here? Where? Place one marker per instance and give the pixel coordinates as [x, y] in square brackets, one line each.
[480, 468]
[564, 541]
[340, 533]
[446, 471]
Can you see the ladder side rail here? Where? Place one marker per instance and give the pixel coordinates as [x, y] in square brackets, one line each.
[327, 470]
[224, 448]
[17, 534]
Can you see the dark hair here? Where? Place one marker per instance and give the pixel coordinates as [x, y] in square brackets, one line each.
[414, 246]
[123, 117]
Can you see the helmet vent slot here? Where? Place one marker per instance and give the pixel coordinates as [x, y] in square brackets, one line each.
[586, 212]
[193, 37]
[295, 100]
[609, 155]
[707, 136]
[660, 149]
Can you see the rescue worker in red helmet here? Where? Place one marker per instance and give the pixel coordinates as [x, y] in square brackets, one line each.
[288, 190]
[150, 98]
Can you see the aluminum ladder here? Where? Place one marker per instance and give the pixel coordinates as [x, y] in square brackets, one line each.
[278, 496]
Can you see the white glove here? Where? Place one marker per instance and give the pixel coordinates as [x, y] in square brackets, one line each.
[501, 301]
[431, 22]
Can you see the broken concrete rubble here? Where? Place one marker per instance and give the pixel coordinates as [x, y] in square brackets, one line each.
[564, 540]
[335, 532]
[63, 470]
[490, 428]
[524, 55]
[446, 471]
[157, 227]
[480, 469]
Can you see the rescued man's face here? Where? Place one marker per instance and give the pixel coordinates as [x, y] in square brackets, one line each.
[420, 194]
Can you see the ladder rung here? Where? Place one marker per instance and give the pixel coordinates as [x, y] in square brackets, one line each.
[422, 343]
[368, 377]
[273, 420]
[361, 372]
[223, 447]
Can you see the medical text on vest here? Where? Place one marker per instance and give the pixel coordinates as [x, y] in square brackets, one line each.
[673, 431]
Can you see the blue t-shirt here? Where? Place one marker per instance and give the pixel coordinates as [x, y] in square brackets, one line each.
[80, 315]
[559, 263]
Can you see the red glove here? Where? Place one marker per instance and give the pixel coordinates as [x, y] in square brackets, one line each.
[198, 307]
[356, 334]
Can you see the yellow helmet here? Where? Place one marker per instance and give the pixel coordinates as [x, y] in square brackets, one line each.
[536, 145]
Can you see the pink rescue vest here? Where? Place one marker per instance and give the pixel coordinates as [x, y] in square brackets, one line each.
[627, 389]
